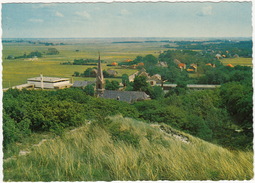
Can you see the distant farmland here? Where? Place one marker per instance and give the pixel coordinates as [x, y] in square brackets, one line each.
[237, 61]
[17, 71]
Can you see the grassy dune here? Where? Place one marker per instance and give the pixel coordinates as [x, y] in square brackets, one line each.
[91, 153]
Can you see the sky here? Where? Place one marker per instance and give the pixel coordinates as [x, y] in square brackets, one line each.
[90, 20]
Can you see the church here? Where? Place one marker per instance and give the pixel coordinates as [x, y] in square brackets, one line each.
[126, 96]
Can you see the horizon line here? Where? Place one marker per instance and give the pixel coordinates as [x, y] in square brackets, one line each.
[121, 37]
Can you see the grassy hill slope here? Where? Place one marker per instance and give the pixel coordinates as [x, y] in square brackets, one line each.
[120, 148]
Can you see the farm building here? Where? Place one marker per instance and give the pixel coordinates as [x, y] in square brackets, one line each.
[114, 64]
[192, 68]
[112, 72]
[131, 78]
[212, 65]
[162, 64]
[49, 82]
[182, 66]
[230, 65]
[155, 79]
[128, 60]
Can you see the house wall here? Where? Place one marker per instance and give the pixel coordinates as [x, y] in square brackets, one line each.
[132, 77]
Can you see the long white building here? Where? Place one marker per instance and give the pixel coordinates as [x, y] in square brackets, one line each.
[49, 82]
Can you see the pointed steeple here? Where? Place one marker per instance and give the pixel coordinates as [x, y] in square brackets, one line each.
[99, 78]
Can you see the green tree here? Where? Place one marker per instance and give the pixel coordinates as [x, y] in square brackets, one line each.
[181, 87]
[157, 92]
[125, 79]
[89, 90]
[76, 74]
[89, 72]
[238, 99]
[138, 59]
[112, 85]
[35, 54]
[52, 51]
[140, 84]
[11, 132]
[150, 59]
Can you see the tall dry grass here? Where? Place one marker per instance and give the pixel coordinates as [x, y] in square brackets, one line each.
[91, 154]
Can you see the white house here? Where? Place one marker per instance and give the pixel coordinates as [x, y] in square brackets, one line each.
[49, 82]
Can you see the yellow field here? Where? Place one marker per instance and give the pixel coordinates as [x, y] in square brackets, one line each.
[237, 61]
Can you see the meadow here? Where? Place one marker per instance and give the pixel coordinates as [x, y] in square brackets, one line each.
[237, 61]
[100, 153]
[17, 71]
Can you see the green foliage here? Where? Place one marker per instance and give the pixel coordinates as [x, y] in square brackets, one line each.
[29, 111]
[89, 90]
[202, 114]
[76, 74]
[140, 84]
[150, 60]
[198, 127]
[34, 54]
[125, 79]
[89, 72]
[85, 62]
[156, 92]
[107, 74]
[224, 74]
[52, 51]
[30, 55]
[112, 85]
[11, 132]
[238, 99]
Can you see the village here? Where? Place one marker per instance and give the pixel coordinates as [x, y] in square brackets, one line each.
[127, 91]
[44, 82]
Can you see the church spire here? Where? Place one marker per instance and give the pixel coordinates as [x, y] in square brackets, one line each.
[99, 78]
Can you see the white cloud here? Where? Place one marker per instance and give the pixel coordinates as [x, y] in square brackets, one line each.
[83, 14]
[35, 20]
[58, 14]
[205, 11]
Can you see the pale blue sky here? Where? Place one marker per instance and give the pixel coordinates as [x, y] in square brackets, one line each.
[225, 19]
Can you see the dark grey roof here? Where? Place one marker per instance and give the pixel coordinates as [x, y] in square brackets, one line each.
[127, 96]
[82, 83]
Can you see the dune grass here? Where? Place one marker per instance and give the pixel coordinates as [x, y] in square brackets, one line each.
[90, 153]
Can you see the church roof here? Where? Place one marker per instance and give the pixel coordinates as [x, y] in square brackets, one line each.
[82, 83]
[126, 96]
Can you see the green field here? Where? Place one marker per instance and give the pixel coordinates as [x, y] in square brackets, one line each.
[237, 61]
[17, 71]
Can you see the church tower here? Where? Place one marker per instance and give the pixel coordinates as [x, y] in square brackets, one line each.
[99, 79]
